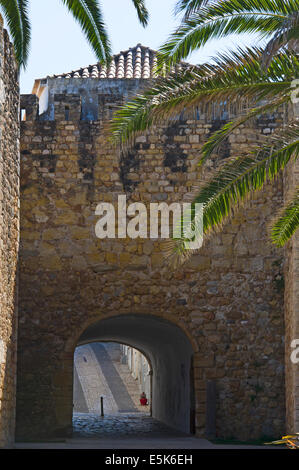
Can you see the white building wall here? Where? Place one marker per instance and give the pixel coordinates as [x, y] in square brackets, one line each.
[139, 367]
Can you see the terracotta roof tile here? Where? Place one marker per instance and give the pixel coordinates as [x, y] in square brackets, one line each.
[136, 62]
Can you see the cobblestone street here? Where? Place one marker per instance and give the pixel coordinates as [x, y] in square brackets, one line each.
[119, 426]
[99, 372]
[127, 431]
[126, 425]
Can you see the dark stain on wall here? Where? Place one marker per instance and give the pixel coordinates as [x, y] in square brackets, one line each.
[224, 149]
[87, 160]
[129, 161]
[175, 158]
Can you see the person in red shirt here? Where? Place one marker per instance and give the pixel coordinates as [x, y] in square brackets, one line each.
[143, 399]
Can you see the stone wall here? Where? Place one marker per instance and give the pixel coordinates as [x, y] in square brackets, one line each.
[228, 299]
[291, 274]
[9, 234]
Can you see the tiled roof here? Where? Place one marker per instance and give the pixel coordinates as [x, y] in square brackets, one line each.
[136, 62]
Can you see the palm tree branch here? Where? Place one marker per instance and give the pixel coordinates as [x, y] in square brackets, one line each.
[192, 36]
[220, 135]
[287, 221]
[26, 29]
[189, 6]
[238, 179]
[139, 115]
[234, 77]
[142, 11]
[16, 14]
[243, 175]
[286, 34]
[89, 16]
[218, 19]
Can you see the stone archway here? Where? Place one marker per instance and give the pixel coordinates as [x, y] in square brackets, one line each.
[225, 299]
[170, 354]
[116, 372]
[166, 343]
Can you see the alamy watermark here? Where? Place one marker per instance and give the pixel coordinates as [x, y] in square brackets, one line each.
[179, 221]
[295, 352]
[295, 342]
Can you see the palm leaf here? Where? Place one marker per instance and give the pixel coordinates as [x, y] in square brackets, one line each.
[236, 77]
[288, 34]
[287, 222]
[227, 129]
[86, 12]
[189, 6]
[246, 174]
[141, 11]
[239, 179]
[220, 19]
[89, 16]
[16, 15]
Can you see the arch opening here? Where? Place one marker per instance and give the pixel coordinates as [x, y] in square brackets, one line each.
[169, 353]
[110, 379]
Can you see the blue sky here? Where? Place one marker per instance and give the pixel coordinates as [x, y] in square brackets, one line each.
[58, 44]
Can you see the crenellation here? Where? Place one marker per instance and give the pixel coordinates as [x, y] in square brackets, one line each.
[67, 107]
[30, 105]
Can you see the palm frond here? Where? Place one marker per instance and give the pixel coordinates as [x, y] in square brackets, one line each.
[246, 174]
[288, 34]
[220, 19]
[236, 77]
[142, 11]
[189, 6]
[240, 178]
[219, 136]
[16, 15]
[89, 16]
[287, 222]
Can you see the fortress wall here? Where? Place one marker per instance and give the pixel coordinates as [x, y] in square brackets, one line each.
[228, 298]
[9, 234]
[291, 275]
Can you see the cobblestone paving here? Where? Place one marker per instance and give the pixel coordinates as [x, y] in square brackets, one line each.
[120, 426]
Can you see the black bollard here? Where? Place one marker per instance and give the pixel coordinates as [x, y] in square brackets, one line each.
[102, 406]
